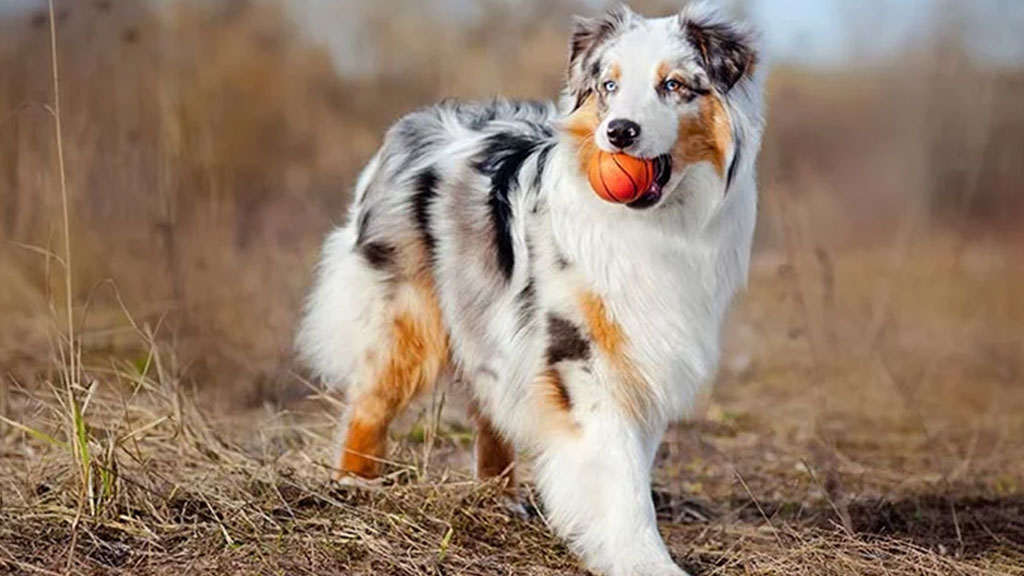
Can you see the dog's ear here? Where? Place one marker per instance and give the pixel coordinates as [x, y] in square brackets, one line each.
[588, 35]
[726, 49]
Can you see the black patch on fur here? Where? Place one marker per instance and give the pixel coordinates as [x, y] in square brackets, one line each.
[501, 160]
[724, 54]
[423, 197]
[733, 165]
[565, 342]
[378, 255]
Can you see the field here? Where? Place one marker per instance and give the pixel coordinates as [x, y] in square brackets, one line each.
[868, 417]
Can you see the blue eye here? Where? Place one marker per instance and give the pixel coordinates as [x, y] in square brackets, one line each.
[671, 85]
[611, 86]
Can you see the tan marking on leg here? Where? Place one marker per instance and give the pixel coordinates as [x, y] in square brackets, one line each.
[495, 456]
[365, 445]
[633, 393]
[418, 353]
[705, 138]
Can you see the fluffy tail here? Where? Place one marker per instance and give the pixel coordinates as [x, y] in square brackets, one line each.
[345, 311]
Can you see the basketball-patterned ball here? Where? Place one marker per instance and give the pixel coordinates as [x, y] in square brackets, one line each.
[619, 178]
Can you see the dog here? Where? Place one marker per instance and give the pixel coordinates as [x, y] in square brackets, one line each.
[476, 249]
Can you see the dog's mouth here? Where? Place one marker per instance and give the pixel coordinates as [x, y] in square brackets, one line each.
[653, 194]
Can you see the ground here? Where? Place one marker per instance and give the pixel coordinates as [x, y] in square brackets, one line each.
[868, 419]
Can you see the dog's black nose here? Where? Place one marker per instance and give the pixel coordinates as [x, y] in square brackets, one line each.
[622, 133]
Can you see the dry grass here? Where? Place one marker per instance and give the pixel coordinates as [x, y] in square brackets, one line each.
[869, 417]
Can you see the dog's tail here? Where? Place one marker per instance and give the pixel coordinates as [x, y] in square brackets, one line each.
[345, 310]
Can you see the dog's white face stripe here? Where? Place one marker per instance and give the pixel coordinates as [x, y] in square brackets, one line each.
[645, 58]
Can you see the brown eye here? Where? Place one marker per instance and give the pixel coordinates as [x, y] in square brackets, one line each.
[671, 85]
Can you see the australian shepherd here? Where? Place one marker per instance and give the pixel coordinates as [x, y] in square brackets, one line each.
[475, 248]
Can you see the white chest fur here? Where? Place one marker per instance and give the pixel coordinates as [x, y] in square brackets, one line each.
[667, 280]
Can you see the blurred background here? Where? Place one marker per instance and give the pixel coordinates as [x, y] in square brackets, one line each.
[868, 417]
[211, 144]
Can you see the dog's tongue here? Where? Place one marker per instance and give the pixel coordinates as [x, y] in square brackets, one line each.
[663, 170]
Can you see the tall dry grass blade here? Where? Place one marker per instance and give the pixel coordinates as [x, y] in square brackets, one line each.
[65, 212]
[72, 364]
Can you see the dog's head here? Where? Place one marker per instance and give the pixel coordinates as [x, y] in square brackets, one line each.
[657, 88]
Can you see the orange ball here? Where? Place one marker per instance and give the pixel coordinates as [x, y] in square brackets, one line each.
[619, 178]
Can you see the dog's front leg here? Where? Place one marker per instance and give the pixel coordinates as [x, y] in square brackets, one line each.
[596, 487]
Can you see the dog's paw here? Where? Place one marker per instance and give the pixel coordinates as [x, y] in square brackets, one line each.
[652, 570]
[519, 507]
[353, 481]
[665, 571]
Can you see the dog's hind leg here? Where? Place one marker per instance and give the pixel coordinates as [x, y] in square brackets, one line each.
[412, 353]
[495, 455]
[372, 327]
